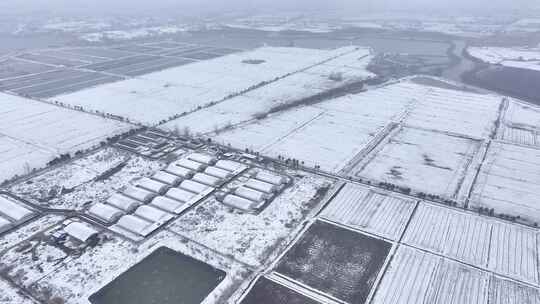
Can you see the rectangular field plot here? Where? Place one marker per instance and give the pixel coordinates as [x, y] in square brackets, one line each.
[509, 181]
[421, 160]
[266, 291]
[522, 115]
[509, 292]
[526, 137]
[103, 53]
[454, 111]
[365, 209]
[32, 133]
[118, 63]
[11, 68]
[200, 56]
[417, 277]
[47, 59]
[506, 249]
[166, 277]
[336, 261]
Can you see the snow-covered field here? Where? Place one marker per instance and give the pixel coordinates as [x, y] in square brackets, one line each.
[33, 133]
[368, 210]
[523, 58]
[490, 244]
[509, 181]
[158, 96]
[521, 124]
[422, 160]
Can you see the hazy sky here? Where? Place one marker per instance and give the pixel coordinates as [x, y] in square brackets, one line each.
[126, 6]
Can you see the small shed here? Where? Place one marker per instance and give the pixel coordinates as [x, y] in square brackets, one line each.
[179, 171]
[271, 178]
[139, 194]
[152, 185]
[250, 194]
[217, 172]
[106, 213]
[152, 214]
[193, 186]
[229, 165]
[206, 179]
[261, 186]
[167, 178]
[134, 224]
[5, 225]
[180, 195]
[81, 232]
[166, 203]
[190, 164]
[123, 202]
[14, 211]
[239, 203]
[202, 158]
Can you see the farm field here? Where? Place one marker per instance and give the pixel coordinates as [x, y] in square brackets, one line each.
[366, 209]
[266, 291]
[336, 261]
[158, 96]
[33, 133]
[508, 182]
[518, 57]
[521, 124]
[422, 160]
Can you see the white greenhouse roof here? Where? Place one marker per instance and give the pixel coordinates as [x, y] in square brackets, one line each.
[13, 210]
[80, 231]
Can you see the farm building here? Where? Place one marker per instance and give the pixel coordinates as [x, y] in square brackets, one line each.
[261, 186]
[14, 211]
[202, 158]
[5, 225]
[167, 178]
[217, 172]
[134, 224]
[106, 213]
[180, 195]
[139, 194]
[122, 202]
[152, 185]
[190, 164]
[193, 186]
[81, 232]
[250, 194]
[206, 179]
[271, 178]
[152, 214]
[167, 204]
[229, 165]
[241, 203]
[179, 171]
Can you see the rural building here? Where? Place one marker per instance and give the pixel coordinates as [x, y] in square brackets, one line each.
[166, 203]
[229, 165]
[190, 164]
[152, 185]
[206, 179]
[139, 194]
[179, 171]
[193, 186]
[261, 186]
[250, 194]
[106, 213]
[239, 203]
[134, 224]
[167, 178]
[14, 211]
[5, 225]
[81, 232]
[203, 158]
[152, 214]
[122, 202]
[217, 172]
[180, 195]
[271, 178]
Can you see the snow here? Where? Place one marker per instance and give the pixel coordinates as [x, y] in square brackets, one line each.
[167, 204]
[202, 158]
[10, 295]
[106, 213]
[134, 224]
[190, 164]
[271, 178]
[250, 194]
[130, 34]
[5, 224]
[152, 214]
[157, 96]
[139, 194]
[261, 186]
[509, 181]
[426, 161]
[33, 133]
[509, 292]
[365, 209]
[419, 277]
[179, 171]
[193, 186]
[180, 195]
[152, 185]
[217, 172]
[229, 165]
[238, 202]
[167, 178]
[123, 202]
[206, 179]
[80, 231]
[518, 57]
[22, 233]
[14, 211]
